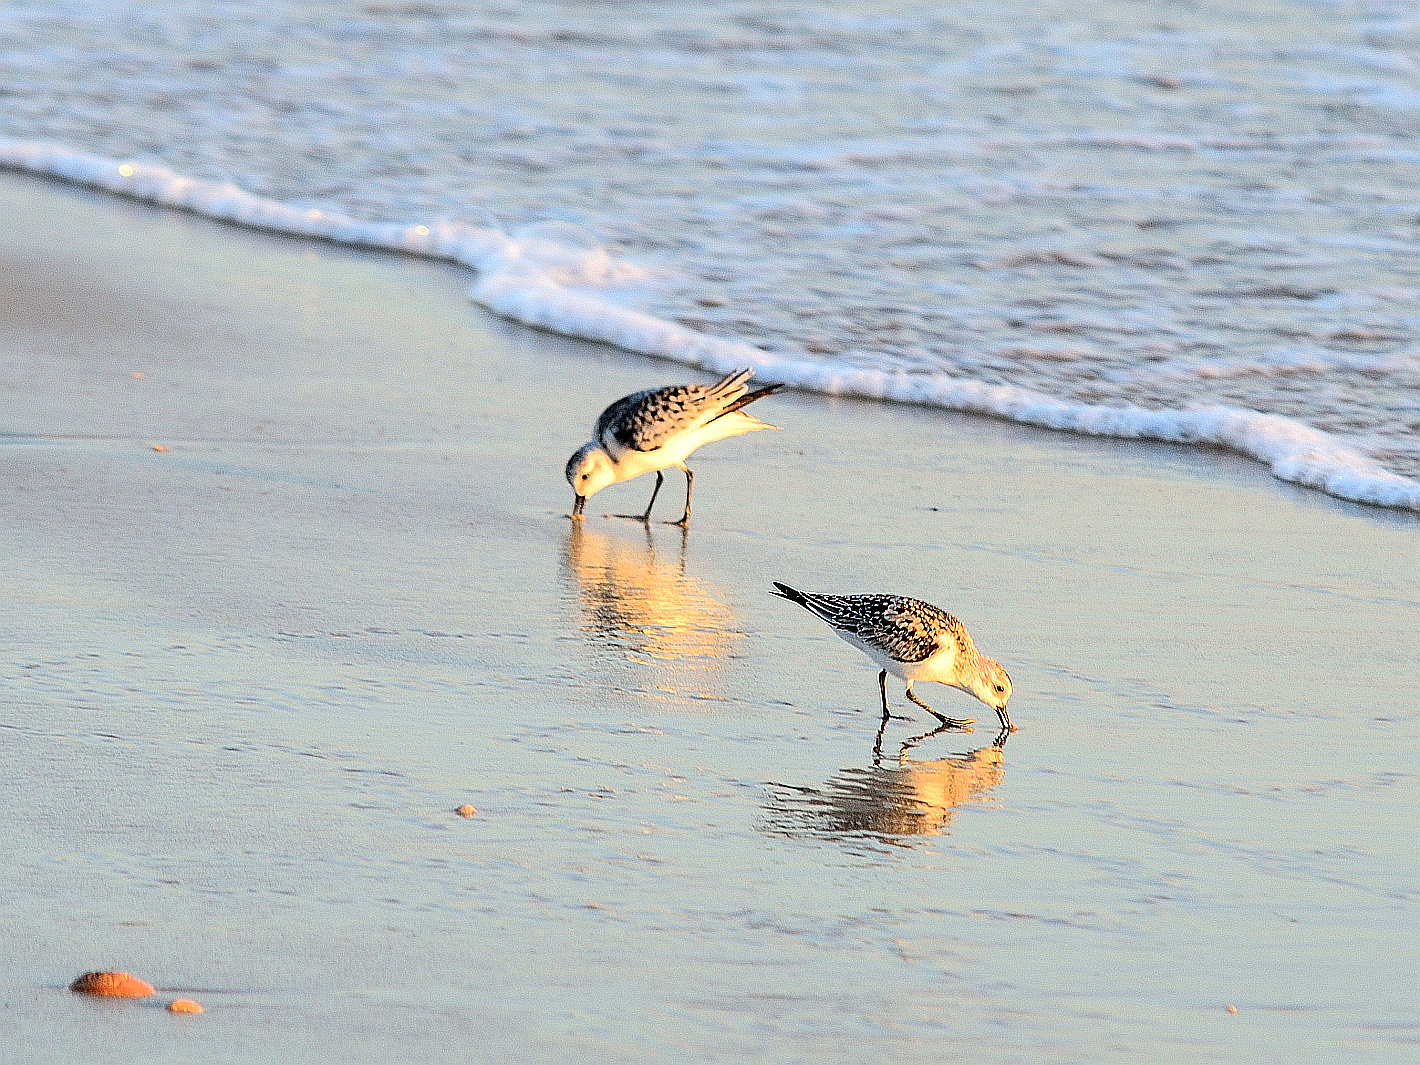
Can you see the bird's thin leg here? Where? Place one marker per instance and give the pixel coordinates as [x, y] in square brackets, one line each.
[962, 723]
[685, 518]
[1006, 725]
[882, 687]
[654, 492]
[647, 516]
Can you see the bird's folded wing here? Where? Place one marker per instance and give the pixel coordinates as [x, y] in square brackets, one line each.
[905, 629]
[644, 421]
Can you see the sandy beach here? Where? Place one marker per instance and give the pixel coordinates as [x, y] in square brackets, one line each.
[289, 577]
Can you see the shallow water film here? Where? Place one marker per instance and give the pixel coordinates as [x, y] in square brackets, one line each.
[289, 580]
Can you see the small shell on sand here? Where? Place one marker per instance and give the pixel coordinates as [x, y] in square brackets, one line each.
[183, 1005]
[160, 447]
[113, 985]
[466, 810]
[1232, 1009]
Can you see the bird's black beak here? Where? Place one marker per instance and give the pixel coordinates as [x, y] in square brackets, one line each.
[577, 506]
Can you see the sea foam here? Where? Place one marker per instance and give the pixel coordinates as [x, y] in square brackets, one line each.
[541, 280]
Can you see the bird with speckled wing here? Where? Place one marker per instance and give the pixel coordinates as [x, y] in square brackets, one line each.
[651, 430]
[912, 640]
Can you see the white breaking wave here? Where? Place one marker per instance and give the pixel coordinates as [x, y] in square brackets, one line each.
[538, 280]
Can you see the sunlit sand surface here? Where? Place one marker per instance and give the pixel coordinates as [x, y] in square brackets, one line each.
[347, 601]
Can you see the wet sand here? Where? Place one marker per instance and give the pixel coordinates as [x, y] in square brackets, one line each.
[246, 680]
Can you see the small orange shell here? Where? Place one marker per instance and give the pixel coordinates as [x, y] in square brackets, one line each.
[113, 985]
[160, 447]
[183, 1005]
[466, 810]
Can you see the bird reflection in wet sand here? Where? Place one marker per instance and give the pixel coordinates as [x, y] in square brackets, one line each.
[894, 798]
[634, 594]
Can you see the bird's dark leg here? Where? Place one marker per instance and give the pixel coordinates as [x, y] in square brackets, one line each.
[882, 687]
[962, 723]
[685, 518]
[647, 516]
[654, 492]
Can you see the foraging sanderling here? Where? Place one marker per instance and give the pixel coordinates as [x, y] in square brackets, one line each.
[660, 427]
[912, 640]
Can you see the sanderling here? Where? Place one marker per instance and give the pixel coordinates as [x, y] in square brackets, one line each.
[657, 428]
[912, 640]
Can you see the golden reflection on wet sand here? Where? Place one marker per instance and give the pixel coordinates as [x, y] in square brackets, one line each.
[891, 799]
[633, 593]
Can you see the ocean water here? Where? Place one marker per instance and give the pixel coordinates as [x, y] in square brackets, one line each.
[1185, 222]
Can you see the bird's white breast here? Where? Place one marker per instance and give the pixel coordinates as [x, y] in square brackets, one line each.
[936, 667]
[675, 450]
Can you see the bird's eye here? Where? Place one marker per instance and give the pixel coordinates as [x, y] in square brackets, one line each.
[999, 688]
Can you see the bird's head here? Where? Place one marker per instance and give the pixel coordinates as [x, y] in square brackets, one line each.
[991, 684]
[588, 472]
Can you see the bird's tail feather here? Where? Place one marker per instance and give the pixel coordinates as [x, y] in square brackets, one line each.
[783, 591]
[812, 603]
[749, 397]
[732, 383]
